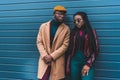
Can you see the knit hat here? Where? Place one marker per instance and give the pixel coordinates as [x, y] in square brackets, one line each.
[60, 8]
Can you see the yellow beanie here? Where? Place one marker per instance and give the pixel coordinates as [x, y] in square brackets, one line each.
[60, 8]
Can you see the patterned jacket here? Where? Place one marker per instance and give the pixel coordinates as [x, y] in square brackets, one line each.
[90, 58]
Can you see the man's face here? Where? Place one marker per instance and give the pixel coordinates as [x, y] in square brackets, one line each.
[59, 16]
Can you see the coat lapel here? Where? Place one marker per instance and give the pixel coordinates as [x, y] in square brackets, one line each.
[47, 31]
[60, 28]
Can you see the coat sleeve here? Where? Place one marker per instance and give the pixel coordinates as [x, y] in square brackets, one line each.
[40, 44]
[60, 51]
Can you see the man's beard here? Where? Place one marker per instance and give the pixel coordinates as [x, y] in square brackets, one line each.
[60, 21]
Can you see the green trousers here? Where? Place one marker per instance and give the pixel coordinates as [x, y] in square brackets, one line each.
[77, 63]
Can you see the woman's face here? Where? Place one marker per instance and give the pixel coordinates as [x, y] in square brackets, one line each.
[78, 20]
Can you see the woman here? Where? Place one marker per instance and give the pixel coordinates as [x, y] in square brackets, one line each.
[82, 49]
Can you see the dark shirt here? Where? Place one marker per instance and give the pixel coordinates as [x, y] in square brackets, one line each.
[53, 28]
[79, 43]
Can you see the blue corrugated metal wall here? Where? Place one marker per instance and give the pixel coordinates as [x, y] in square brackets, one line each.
[19, 24]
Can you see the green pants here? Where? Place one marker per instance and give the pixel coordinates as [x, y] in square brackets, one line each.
[77, 63]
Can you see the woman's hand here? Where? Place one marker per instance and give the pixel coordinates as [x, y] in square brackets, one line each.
[85, 70]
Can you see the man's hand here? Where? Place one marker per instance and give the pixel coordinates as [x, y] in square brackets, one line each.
[47, 59]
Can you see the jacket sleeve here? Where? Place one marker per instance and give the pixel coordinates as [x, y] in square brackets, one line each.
[91, 59]
[40, 44]
[61, 50]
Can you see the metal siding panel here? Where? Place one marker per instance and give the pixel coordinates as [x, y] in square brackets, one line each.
[18, 61]
[108, 65]
[19, 24]
[18, 33]
[107, 73]
[42, 12]
[18, 75]
[18, 40]
[18, 68]
[77, 4]
[19, 54]
[92, 18]
[18, 47]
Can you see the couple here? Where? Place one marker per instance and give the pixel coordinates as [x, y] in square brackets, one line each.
[55, 40]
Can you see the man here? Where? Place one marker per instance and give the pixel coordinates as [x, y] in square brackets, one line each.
[52, 42]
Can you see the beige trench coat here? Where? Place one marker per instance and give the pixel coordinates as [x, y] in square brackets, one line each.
[59, 46]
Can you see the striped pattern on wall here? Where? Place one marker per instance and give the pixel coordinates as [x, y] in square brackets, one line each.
[19, 24]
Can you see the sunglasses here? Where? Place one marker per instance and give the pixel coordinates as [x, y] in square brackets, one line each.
[77, 20]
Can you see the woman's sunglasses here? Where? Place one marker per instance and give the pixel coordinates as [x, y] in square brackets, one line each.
[77, 20]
